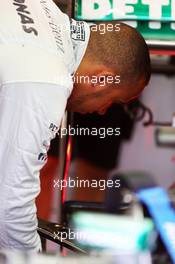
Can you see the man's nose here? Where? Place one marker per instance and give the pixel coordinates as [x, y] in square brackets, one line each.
[102, 112]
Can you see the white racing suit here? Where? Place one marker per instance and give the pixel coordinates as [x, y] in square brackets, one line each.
[39, 51]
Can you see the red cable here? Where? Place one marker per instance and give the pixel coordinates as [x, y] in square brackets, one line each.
[68, 158]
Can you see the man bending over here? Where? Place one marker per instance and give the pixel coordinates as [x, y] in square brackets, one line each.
[42, 55]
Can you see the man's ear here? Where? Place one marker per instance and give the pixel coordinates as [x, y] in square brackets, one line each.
[102, 79]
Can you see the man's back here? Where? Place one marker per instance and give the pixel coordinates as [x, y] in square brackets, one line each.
[37, 35]
[37, 59]
[35, 23]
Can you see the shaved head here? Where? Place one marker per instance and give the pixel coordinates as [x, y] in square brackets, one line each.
[114, 50]
[124, 51]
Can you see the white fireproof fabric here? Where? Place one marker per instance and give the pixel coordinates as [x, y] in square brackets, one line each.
[40, 49]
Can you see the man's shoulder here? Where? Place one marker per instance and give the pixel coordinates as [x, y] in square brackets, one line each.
[80, 33]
